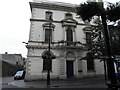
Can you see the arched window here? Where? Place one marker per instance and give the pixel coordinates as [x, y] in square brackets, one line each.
[69, 36]
[47, 63]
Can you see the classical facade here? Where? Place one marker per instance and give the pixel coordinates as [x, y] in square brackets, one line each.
[68, 39]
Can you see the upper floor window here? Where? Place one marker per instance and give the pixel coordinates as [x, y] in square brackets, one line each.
[47, 32]
[69, 36]
[90, 62]
[68, 15]
[47, 64]
[88, 38]
[48, 14]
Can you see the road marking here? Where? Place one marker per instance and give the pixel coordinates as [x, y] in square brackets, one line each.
[11, 83]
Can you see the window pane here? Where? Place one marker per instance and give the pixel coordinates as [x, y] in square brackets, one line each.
[79, 66]
[88, 37]
[47, 31]
[68, 15]
[90, 64]
[45, 64]
[69, 35]
[90, 61]
[48, 13]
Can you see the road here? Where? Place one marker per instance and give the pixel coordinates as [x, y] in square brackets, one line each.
[5, 82]
[9, 82]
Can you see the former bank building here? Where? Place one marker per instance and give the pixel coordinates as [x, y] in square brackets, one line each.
[69, 37]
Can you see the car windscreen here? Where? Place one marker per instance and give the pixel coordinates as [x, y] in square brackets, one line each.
[19, 73]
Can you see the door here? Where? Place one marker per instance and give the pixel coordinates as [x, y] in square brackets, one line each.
[69, 69]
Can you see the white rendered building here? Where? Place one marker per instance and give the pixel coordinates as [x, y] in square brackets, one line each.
[68, 38]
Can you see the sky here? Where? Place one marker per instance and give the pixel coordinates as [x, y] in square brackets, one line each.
[15, 24]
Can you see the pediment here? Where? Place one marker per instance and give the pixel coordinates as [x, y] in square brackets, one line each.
[69, 20]
[48, 24]
[89, 28]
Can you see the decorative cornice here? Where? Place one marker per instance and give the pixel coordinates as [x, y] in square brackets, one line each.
[69, 20]
[43, 20]
[88, 28]
[55, 47]
[34, 56]
[52, 6]
[47, 24]
[42, 42]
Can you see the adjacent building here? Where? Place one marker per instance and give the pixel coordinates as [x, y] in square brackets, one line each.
[10, 64]
[69, 37]
[14, 59]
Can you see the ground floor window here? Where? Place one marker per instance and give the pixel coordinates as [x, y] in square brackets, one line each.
[79, 66]
[90, 65]
[47, 64]
[90, 62]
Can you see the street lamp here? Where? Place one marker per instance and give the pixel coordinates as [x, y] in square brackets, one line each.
[48, 56]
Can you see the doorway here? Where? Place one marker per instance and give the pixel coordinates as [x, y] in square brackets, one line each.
[69, 69]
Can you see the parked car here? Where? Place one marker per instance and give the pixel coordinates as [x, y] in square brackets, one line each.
[117, 71]
[19, 75]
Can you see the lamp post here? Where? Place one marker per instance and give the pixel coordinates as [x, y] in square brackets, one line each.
[49, 55]
[109, 59]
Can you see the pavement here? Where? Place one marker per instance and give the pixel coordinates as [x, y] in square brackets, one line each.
[96, 82]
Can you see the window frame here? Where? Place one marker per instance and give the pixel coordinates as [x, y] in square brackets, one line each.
[47, 15]
[47, 31]
[68, 17]
[69, 38]
[90, 62]
[45, 63]
[88, 38]
[90, 65]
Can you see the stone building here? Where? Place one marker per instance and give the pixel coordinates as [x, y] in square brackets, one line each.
[10, 64]
[69, 37]
[14, 59]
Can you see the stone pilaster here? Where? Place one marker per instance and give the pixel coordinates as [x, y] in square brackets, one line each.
[99, 67]
[62, 68]
[84, 67]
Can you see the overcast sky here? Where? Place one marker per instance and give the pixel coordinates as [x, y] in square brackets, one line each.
[15, 24]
